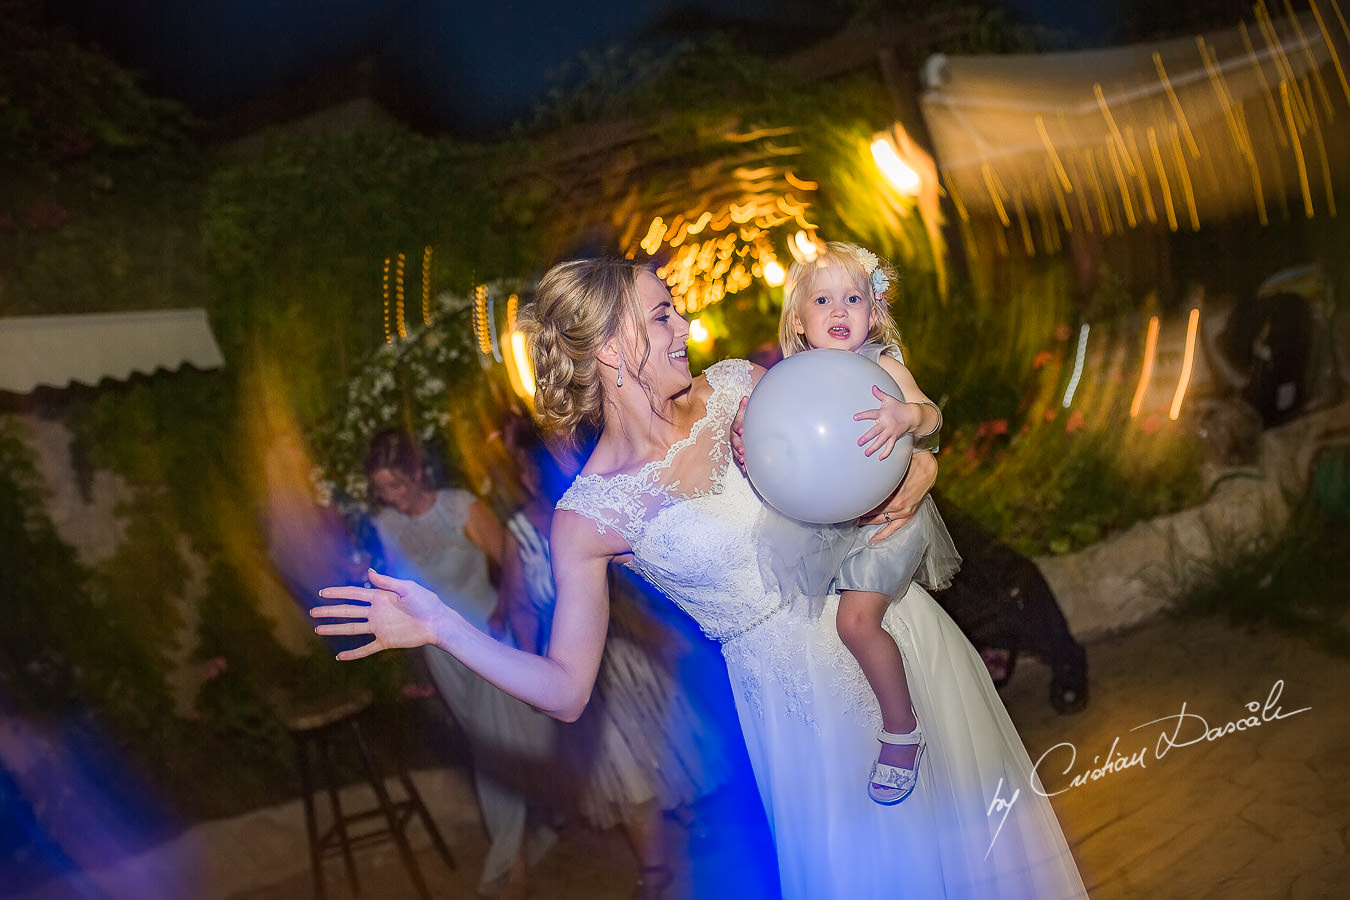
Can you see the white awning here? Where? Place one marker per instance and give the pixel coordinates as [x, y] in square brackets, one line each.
[1177, 134]
[54, 351]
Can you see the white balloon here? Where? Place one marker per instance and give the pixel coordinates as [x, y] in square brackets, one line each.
[801, 441]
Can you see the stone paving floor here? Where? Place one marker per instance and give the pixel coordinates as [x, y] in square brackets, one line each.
[1256, 810]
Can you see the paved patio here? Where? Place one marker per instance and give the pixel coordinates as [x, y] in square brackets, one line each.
[1256, 812]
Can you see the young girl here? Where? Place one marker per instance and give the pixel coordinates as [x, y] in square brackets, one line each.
[660, 494]
[839, 301]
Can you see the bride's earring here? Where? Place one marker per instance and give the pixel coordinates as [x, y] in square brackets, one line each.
[618, 382]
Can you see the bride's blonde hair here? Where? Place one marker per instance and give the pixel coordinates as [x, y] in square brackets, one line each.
[579, 306]
[859, 265]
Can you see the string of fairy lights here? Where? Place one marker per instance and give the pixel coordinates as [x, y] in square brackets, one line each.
[393, 295]
[712, 252]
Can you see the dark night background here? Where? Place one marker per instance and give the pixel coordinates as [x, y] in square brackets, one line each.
[475, 68]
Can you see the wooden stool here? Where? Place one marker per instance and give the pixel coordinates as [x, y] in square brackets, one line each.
[317, 729]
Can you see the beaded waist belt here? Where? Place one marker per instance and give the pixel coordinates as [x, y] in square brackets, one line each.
[723, 637]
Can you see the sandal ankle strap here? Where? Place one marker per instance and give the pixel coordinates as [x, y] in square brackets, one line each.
[912, 737]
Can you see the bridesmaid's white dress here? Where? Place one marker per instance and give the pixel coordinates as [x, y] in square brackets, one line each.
[700, 533]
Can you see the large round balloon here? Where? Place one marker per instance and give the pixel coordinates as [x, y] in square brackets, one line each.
[801, 441]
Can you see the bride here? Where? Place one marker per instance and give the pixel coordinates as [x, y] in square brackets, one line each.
[661, 493]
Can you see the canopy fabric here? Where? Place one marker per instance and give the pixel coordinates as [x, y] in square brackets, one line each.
[54, 351]
[1175, 134]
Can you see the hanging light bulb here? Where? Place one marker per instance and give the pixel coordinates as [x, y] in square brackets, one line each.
[903, 178]
[774, 275]
[699, 334]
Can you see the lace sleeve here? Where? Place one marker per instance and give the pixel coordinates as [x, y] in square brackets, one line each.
[586, 497]
[731, 375]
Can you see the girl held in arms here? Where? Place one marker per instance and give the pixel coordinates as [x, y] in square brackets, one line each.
[838, 300]
[661, 493]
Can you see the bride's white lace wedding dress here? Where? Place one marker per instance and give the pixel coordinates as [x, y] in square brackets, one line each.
[973, 828]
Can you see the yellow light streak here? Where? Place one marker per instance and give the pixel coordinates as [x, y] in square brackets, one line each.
[1164, 184]
[1024, 226]
[1111, 125]
[1314, 68]
[1298, 149]
[900, 176]
[1176, 103]
[426, 286]
[800, 184]
[1331, 45]
[481, 326]
[1331, 48]
[1062, 203]
[957, 201]
[1184, 175]
[1302, 114]
[1145, 376]
[1141, 174]
[1123, 187]
[519, 370]
[1326, 168]
[1099, 194]
[995, 188]
[1187, 362]
[399, 321]
[384, 291]
[1053, 154]
[1267, 92]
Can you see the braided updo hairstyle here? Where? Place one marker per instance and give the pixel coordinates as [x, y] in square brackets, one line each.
[579, 306]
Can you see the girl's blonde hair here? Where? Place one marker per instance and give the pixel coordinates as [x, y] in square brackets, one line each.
[579, 306]
[858, 264]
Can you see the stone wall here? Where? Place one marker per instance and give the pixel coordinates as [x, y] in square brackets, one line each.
[1129, 577]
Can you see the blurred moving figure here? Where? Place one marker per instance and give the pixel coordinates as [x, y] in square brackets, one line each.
[641, 749]
[448, 538]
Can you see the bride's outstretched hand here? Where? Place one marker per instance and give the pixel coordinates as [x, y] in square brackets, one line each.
[401, 614]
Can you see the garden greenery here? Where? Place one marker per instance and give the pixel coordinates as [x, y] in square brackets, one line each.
[284, 240]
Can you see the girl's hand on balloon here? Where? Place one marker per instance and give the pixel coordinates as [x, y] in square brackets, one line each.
[894, 419]
[399, 614]
[738, 434]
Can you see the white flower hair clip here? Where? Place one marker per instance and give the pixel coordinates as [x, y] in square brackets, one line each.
[880, 283]
[872, 266]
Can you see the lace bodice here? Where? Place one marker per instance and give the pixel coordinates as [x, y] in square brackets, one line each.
[693, 536]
